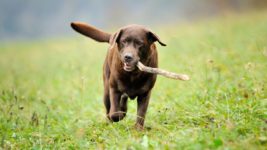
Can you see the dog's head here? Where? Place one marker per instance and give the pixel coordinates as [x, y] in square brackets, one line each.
[133, 43]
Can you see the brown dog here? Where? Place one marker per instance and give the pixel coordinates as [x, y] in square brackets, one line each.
[122, 79]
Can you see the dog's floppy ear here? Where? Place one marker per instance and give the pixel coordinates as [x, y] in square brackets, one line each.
[90, 31]
[153, 37]
[114, 39]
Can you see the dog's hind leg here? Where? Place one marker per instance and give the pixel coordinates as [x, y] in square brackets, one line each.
[123, 103]
[106, 74]
[106, 100]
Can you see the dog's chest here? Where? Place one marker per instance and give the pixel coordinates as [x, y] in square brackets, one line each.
[134, 86]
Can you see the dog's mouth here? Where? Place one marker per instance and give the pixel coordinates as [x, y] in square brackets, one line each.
[129, 66]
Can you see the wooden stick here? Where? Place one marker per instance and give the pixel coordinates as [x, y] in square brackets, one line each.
[162, 72]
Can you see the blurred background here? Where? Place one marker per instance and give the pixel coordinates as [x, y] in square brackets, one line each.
[51, 86]
[30, 19]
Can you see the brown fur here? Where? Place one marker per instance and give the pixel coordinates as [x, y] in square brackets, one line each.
[91, 31]
[120, 83]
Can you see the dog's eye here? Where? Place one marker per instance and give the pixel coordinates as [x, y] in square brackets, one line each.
[124, 42]
[139, 43]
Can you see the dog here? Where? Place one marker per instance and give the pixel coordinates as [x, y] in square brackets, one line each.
[122, 79]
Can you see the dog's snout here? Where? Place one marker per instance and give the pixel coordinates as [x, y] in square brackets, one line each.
[128, 57]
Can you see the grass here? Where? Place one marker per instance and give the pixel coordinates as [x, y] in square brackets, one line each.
[51, 91]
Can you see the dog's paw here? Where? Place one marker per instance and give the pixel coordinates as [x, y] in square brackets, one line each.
[117, 116]
[139, 127]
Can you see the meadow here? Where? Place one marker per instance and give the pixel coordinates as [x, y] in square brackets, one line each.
[51, 91]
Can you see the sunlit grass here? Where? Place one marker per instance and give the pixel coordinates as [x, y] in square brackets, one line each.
[51, 91]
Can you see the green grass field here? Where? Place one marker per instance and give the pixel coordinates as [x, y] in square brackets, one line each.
[51, 91]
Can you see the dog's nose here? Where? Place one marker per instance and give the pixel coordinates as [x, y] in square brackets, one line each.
[128, 57]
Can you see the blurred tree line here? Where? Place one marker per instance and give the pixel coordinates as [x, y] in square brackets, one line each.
[30, 18]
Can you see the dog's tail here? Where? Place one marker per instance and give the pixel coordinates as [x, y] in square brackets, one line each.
[91, 31]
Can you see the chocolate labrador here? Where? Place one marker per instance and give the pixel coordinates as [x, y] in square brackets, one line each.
[122, 79]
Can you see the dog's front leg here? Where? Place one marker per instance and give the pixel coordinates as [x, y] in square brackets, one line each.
[115, 114]
[142, 104]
